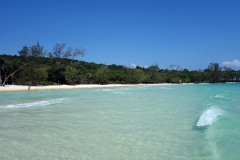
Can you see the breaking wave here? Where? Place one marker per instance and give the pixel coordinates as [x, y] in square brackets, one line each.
[34, 104]
[210, 116]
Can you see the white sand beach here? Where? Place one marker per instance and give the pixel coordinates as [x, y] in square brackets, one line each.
[9, 88]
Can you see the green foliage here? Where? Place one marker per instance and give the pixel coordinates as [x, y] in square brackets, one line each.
[24, 52]
[40, 74]
[186, 79]
[57, 70]
[70, 77]
[101, 76]
[214, 70]
[138, 76]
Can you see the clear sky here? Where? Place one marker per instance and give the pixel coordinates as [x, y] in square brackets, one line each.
[189, 33]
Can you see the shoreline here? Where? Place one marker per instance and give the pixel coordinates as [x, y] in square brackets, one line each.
[15, 88]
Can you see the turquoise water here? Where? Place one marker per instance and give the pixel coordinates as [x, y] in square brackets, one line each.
[192, 122]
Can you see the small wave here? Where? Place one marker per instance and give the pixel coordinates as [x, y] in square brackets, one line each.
[105, 90]
[223, 97]
[218, 96]
[112, 90]
[210, 116]
[164, 87]
[119, 92]
[143, 87]
[34, 104]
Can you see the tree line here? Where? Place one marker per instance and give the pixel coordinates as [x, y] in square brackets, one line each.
[36, 66]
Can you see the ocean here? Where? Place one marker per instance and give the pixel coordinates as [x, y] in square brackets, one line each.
[169, 122]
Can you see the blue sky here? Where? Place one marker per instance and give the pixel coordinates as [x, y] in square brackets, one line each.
[188, 33]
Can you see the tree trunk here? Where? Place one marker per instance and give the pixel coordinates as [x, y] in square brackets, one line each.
[6, 77]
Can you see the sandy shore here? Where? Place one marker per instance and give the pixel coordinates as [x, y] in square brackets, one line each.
[9, 88]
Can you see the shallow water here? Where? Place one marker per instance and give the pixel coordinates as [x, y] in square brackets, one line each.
[140, 122]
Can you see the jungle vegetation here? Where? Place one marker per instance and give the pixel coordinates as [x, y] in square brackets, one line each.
[35, 66]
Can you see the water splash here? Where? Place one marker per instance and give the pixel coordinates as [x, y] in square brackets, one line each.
[210, 116]
[34, 104]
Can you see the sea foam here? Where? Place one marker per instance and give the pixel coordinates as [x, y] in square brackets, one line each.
[34, 104]
[210, 116]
